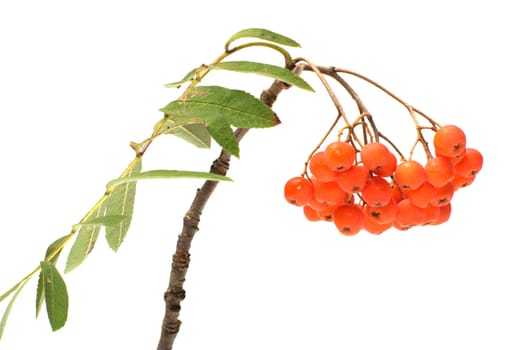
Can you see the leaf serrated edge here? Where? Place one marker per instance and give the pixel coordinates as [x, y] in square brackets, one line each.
[40, 294]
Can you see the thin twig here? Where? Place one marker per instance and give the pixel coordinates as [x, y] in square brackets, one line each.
[312, 67]
[181, 258]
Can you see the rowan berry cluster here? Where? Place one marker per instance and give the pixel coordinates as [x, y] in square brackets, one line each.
[370, 188]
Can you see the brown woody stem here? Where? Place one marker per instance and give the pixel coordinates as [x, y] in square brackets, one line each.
[181, 258]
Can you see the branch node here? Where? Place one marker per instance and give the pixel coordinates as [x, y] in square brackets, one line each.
[181, 260]
[173, 298]
[191, 219]
[173, 327]
[220, 166]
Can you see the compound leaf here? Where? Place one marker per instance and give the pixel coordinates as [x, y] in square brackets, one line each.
[262, 34]
[56, 295]
[267, 70]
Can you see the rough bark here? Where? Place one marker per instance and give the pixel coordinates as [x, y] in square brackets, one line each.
[175, 293]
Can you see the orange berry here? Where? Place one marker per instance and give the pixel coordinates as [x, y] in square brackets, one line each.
[388, 168]
[320, 169]
[382, 215]
[431, 215]
[410, 174]
[439, 171]
[298, 191]
[375, 156]
[409, 215]
[444, 214]
[339, 155]
[348, 219]
[449, 141]
[471, 163]
[460, 181]
[457, 159]
[397, 226]
[422, 196]
[443, 195]
[310, 213]
[373, 227]
[317, 205]
[377, 192]
[327, 213]
[354, 179]
[328, 192]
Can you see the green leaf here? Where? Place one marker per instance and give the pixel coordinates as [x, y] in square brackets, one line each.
[205, 104]
[189, 77]
[82, 246]
[262, 34]
[196, 133]
[11, 290]
[18, 287]
[121, 202]
[56, 295]
[87, 236]
[107, 220]
[267, 70]
[218, 108]
[56, 248]
[222, 133]
[168, 174]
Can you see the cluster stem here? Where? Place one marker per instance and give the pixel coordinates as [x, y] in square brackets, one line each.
[370, 132]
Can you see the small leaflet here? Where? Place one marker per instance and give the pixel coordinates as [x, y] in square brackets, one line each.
[121, 202]
[56, 295]
[262, 34]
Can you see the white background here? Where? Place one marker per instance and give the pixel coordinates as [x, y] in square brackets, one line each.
[80, 80]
